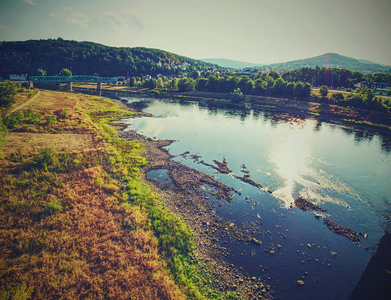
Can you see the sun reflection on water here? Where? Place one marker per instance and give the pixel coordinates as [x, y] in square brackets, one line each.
[292, 157]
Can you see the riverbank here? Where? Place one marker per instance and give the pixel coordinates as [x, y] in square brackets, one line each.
[185, 194]
[308, 107]
[74, 209]
[188, 192]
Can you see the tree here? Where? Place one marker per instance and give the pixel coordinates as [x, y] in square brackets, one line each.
[132, 81]
[369, 95]
[174, 84]
[323, 91]
[279, 86]
[150, 83]
[186, 84]
[269, 82]
[259, 87]
[298, 90]
[8, 92]
[194, 74]
[306, 90]
[213, 83]
[202, 84]
[274, 74]
[41, 72]
[246, 85]
[159, 83]
[289, 89]
[65, 72]
[231, 83]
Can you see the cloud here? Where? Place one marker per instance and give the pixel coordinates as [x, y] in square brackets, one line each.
[79, 19]
[137, 22]
[114, 21]
[29, 2]
[55, 16]
[118, 22]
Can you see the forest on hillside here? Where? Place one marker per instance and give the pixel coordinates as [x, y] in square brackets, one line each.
[52, 55]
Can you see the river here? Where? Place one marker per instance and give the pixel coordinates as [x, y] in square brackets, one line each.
[343, 170]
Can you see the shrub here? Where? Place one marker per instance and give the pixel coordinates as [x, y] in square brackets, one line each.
[51, 120]
[8, 91]
[32, 117]
[323, 91]
[338, 97]
[53, 206]
[236, 95]
[46, 158]
[64, 114]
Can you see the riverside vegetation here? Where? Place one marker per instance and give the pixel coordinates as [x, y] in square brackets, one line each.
[76, 219]
[270, 91]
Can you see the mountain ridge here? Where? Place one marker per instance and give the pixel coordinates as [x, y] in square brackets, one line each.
[230, 63]
[331, 60]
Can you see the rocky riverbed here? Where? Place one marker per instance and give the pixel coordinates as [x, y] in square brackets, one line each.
[186, 194]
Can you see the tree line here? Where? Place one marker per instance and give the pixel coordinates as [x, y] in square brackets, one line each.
[265, 85]
[334, 77]
[360, 97]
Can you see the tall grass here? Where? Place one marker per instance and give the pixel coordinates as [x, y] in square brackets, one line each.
[84, 225]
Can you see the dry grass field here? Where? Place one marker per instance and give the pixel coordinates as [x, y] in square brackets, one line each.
[67, 227]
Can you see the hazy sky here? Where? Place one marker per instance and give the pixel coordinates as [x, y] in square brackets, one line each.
[260, 31]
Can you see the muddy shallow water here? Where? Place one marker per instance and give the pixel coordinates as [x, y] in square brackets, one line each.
[340, 176]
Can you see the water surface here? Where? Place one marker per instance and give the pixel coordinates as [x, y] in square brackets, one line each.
[345, 171]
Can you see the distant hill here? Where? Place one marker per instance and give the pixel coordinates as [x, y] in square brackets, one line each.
[332, 60]
[52, 55]
[229, 63]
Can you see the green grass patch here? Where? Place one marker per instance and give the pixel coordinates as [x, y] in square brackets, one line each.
[174, 236]
[369, 124]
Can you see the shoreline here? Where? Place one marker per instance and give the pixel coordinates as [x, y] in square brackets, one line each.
[184, 196]
[303, 108]
[180, 195]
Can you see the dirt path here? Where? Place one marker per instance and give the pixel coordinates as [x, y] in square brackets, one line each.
[26, 103]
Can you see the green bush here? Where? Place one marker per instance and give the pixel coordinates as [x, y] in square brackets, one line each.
[64, 114]
[32, 117]
[51, 120]
[53, 206]
[8, 91]
[323, 91]
[236, 95]
[46, 158]
[338, 97]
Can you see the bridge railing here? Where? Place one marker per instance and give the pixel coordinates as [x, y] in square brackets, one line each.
[76, 78]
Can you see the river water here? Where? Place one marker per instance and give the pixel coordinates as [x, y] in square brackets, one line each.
[343, 170]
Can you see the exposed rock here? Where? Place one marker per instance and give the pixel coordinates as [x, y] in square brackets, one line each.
[187, 197]
[303, 204]
[299, 283]
[341, 230]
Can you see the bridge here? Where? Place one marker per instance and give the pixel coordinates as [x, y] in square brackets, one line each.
[71, 79]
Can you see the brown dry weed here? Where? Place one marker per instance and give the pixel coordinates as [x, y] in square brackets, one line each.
[69, 234]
